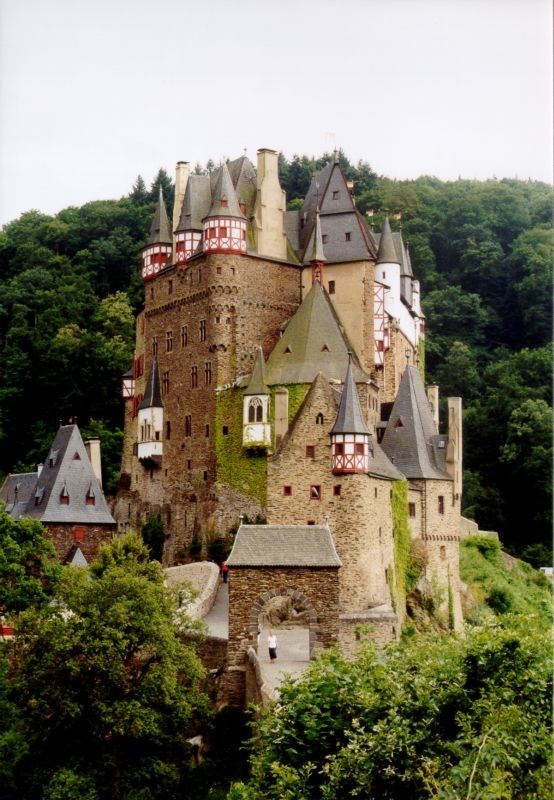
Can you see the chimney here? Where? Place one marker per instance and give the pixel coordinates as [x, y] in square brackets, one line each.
[281, 414]
[93, 452]
[181, 178]
[39, 469]
[269, 210]
[454, 450]
[433, 397]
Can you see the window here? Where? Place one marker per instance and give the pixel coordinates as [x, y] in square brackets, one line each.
[310, 451]
[311, 522]
[76, 457]
[194, 377]
[169, 341]
[441, 504]
[170, 287]
[165, 382]
[205, 474]
[154, 345]
[347, 236]
[223, 232]
[225, 430]
[184, 335]
[79, 534]
[411, 509]
[188, 425]
[331, 287]
[319, 419]
[287, 491]
[324, 238]
[336, 195]
[224, 202]
[151, 293]
[189, 463]
[168, 429]
[218, 270]
[443, 552]
[64, 498]
[255, 410]
[359, 448]
[339, 448]
[207, 430]
[375, 491]
[208, 373]
[315, 492]
[91, 500]
[336, 490]
[202, 330]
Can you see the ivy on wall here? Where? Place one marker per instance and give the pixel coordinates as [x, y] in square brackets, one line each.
[421, 357]
[402, 540]
[244, 470]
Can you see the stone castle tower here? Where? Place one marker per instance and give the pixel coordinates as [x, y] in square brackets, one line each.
[276, 374]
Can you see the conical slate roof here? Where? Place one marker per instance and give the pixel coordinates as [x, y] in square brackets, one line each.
[224, 191]
[387, 252]
[257, 384]
[159, 230]
[314, 251]
[411, 440]
[152, 394]
[350, 418]
[196, 203]
[312, 342]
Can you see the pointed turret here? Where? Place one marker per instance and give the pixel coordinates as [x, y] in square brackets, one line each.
[316, 255]
[411, 440]
[387, 252]
[256, 430]
[225, 224]
[158, 248]
[350, 434]
[150, 420]
[196, 204]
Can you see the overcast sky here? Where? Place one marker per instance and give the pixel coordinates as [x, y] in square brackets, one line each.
[94, 92]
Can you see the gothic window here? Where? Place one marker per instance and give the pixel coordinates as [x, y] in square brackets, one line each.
[315, 492]
[184, 336]
[202, 330]
[255, 410]
[154, 345]
[169, 341]
[319, 419]
[165, 382]
[194, 377]
[208, 373]
[188, 425]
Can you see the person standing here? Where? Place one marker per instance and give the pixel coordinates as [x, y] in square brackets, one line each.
[272, 645]
[224, 571]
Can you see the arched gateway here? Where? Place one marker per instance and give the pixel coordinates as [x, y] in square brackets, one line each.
[269, 561]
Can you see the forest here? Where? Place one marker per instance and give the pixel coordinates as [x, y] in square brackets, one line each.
[481, 249]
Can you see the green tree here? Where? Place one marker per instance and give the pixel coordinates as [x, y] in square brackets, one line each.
[105, 694]
[29, 568]
[153, 536]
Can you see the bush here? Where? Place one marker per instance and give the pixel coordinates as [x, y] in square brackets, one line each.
[153, 536]
[500, 600]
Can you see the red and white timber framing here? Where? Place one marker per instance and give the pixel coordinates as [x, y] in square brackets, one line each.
[350, 453]
[225, 235]
[154, 259]
[380, 324]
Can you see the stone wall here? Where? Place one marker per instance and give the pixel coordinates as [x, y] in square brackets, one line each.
[377, 625]
[204, 578]
[89, 538]
[389, 376]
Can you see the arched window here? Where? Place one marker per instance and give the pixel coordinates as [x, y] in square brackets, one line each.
[255, 410]
[319, 419]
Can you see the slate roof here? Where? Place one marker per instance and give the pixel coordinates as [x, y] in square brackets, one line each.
[379, 464]
[312, 342]
[387, 253]
[67, 471]
[284, 546]
[196, 203]
[411, 440]
[159, 230]
[243, 176]
[349, 418]
[315, 250]
[152, 394]
[223, 190]
[256, 384]
[17, 490]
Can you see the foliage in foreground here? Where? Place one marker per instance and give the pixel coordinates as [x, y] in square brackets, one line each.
[434, 717]
[101, 695]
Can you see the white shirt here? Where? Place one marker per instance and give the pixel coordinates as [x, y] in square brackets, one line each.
[272, 641]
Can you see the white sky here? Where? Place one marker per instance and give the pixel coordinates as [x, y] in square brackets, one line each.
[94, 92]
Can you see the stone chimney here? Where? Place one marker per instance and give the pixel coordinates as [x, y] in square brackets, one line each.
[182, 171]
[281, 414]
[454, 451]
[269, 210]
[93, 451]
[433, 397]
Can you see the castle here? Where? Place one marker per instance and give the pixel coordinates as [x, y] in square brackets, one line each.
[277, 374]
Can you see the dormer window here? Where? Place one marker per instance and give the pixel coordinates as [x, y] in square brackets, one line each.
[324, 238]
[76, 457]
[64, 497]
[224, 202]
[336, 195]
[347, 236]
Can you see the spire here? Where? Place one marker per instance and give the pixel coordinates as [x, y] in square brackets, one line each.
[224, 197]
[257, 384]
[387, 251]
[159, 231]
[349, 418]
[152, 394]
[317, 256]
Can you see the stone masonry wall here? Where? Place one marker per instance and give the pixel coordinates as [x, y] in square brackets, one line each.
[89, 538]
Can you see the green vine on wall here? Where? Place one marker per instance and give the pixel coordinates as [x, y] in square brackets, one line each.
[421, 357]
[402, 541]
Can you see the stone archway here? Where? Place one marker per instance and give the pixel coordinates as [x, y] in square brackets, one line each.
[297, 597]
